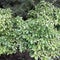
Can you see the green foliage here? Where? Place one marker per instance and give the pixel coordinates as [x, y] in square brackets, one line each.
[37, 34]
[5, 30]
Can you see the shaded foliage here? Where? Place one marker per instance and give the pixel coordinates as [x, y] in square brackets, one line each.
[23, 6]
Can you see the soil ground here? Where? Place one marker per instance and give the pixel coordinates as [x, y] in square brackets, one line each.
[16, 56]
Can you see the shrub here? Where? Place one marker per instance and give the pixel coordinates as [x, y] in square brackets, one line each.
[36, 35]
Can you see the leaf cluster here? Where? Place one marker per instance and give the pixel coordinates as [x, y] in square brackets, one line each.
[37, 34]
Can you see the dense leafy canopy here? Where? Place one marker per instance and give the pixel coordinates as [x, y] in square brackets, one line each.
[37, 34]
